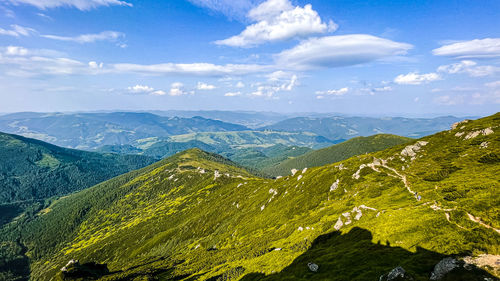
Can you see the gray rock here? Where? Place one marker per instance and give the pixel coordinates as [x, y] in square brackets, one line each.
[443, 267]
[396, 274]
[313, 267]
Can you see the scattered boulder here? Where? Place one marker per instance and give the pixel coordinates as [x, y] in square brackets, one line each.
[338, 224]
[411, 150]
[397, 274]
[444, 267]
[335, 185]
[293, 171]
[313, 267]
[455, 125]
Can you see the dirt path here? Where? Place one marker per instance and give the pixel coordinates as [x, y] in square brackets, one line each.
[433, 207]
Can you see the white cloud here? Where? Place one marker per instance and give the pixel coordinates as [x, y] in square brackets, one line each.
[240, 85]
[177, 89]
[343, 50]
[470, 68]
[201, 69]
[414, 78]
[339, 92]
[88, 38]
[95, 65]
[140, 89]
[477, 48]
[83, 5]
[232, 94]
[278, 20]
[16, 51]
[383, 89]
[19, 61]
[278, 81]
[204, 86]
[17, 31]
[159, 93]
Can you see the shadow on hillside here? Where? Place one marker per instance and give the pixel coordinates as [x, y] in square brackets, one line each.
[353, 256]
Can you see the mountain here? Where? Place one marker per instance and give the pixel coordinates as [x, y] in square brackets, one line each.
[92, 130]
[31, 169]
[335, 153]
[250, 119]
[428, 206]
[253, 149]
[244, 139]
[343, 128]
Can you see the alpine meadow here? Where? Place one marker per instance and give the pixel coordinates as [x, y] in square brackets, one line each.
[249, 140]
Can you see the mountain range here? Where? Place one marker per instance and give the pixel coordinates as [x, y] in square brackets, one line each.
[92, 131]
[424, 209]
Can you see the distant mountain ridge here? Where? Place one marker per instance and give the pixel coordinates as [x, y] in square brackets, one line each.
[343, 128]
[92, 130]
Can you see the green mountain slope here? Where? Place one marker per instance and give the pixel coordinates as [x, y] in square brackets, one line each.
[335, 153]
[196, 216]
[31, 169]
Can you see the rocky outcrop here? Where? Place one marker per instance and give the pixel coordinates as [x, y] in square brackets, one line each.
[411, 150]
[335, 185]
[444, 267]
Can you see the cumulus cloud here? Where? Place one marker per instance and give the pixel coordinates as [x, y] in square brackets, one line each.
[477, 48]
[140, 89]
[83, 5]
[88, 38]
[470, 68]
[240, 85]
[17, 31]
[232, 94]
[277, 81]
[278, 20]
[339, 92]
[204, 86]
[414, 78]
[177, 89]
[343, 50]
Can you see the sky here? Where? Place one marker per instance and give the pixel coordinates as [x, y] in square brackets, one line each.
[398, 57]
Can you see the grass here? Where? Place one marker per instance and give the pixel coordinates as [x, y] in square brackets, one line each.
[197, 216]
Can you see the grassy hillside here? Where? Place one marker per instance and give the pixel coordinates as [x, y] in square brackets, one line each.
[343, 128]
[245, 139]
[31, 169]
[196, 216]
[335, 153]
[92, 130]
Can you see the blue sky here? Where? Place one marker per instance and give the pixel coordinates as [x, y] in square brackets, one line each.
[355, 57]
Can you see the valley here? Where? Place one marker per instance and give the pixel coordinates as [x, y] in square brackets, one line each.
[198, 216]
